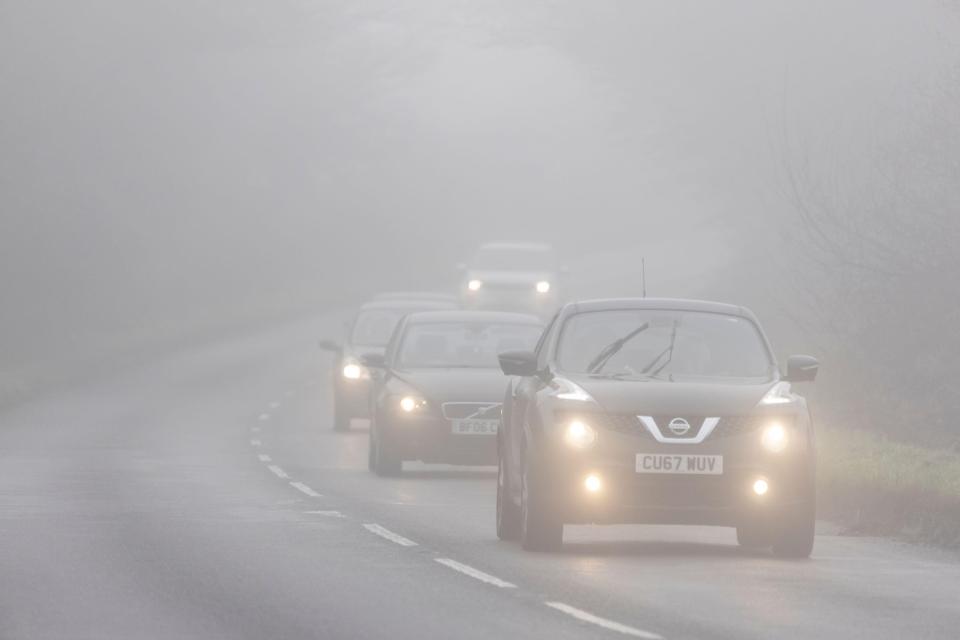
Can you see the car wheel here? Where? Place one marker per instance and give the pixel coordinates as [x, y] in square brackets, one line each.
[341, 419]
[385, 462]
[752, 535]
[795, 536]
[508, 515]
[540, 530]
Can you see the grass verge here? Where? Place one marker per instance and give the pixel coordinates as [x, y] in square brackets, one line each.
[874, 485]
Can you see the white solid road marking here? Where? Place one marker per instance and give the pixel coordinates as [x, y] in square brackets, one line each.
[584, 616]
[475, 573]
[264, 457]
[277, 471]
[302, 488]
[255, 443]
[389, 535]
[263, 417]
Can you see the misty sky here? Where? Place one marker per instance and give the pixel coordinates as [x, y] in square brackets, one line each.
[160, 157]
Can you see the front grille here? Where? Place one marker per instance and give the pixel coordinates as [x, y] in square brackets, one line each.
[509, 286]
[631, 425]
[474, 410]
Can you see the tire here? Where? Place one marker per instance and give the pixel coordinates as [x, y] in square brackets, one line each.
[753, 536]
[508, 515]
[540, 530]
[341, 419]
[383, 461]
[796, 535]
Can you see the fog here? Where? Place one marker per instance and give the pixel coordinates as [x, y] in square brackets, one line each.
[168, 166]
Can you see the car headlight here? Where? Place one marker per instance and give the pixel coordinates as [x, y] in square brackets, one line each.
[543, 287]
[410, 404]
[775, 438]
[778, 395]
[579, 435]
[567, 390]
[475, 285]
[352, 371]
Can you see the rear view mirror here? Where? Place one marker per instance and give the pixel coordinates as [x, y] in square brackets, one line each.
[802, 369]
[329, 345]
[518, 363]
[374, 360]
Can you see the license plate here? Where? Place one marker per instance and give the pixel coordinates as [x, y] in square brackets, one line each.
[679, 463]
[474, 427]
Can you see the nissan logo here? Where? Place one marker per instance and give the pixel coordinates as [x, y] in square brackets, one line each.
[679, 426]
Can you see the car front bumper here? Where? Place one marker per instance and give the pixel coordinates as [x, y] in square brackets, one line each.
[431, 439]
[628, 496]
[352, 396]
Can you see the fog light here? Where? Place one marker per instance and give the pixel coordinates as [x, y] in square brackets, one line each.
[593, 483]
[774, 438]
[408, 404]
[760, 487]
[579, 435]
[352, 371]
[474, 285]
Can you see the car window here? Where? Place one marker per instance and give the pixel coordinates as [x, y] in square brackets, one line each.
[667, 344]
[514, 259]
[461, 345]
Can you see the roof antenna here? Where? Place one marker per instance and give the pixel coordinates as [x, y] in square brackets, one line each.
[643, 275]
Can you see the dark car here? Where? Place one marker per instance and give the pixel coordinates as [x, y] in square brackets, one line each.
[368, 332]
[437, 398]
[656, 411]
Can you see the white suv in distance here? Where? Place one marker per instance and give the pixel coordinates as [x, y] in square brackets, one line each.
[512, 276]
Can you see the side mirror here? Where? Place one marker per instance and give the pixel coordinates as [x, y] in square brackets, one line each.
[374, 360]
[518, 363]
[802, 369]
[329, 345]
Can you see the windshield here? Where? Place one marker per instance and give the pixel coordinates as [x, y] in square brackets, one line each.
[462, 345]
[373, 328]
[514, 259]
[663, 344]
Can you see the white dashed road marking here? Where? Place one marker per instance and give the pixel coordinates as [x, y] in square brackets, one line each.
[277, 471]
[263, 417]
[389, 535]
[302, 488]
[329, 514]
[288, 393]
[255, 443]
[264, 457]
[475, 573]
[584, 616]
[255, 429]
[274, 405]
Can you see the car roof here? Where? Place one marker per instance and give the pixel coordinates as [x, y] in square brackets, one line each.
[520, 246]
[409, 305]
[415, 295]
[674, 304]
[503, 317]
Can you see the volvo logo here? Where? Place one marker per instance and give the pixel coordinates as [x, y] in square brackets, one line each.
[679, 426]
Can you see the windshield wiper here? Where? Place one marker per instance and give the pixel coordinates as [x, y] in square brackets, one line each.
[611, 349]
[666, 352]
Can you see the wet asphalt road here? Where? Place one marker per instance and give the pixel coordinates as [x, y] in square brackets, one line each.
[204, 495]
